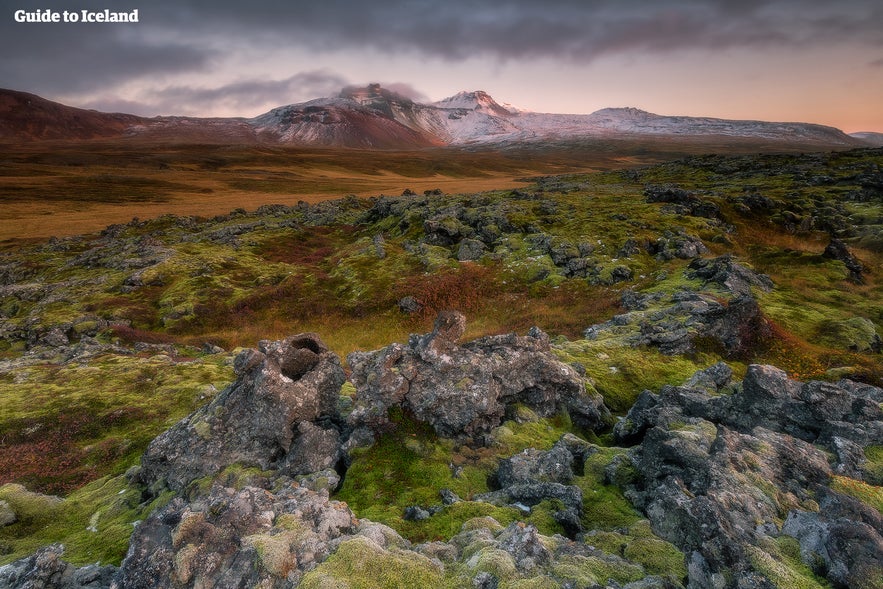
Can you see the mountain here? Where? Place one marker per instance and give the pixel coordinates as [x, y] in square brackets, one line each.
[869, 138]
[376, 118]
[26, 116]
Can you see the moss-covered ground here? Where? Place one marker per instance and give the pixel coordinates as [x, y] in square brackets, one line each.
[557, 253]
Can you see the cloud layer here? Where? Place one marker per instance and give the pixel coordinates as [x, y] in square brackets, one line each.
[195, 38]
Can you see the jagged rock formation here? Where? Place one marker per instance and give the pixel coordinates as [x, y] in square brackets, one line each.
[252, 537]
[728, 472]
[533, 476]
[280, 414]
[45, 569]
[463, 390]
[717, 473]
[734, 324]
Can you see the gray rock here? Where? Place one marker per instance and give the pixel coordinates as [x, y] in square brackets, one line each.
[530, 494]
[470, 249]
[415, 513]
[714, 471]
[210, 348]
[711, 379]
[409, 305]
[7, 514]
[524, 544]
[726, 272]
[837, 250]
[45, 569]
[279, 413]
[247, 538]
[531, 465]
[462, 391]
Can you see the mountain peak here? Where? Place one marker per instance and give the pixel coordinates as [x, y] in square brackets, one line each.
[478, 100]
[372, 94]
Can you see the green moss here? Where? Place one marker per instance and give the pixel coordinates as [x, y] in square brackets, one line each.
[409, 467]
[870, 494]
[856, 333]
[619, 373]
[586, 568]
[94, 523]
[360, 564]
[604, 506]
[779, 561]
[495, 561]
[873, 468]
[640, 546]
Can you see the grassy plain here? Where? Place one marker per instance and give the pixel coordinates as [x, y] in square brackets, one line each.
[559, 252]
[69, 188]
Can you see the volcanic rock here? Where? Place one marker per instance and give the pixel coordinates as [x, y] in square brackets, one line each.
[462, 391]
[837, 250]
[45, 569]
[279, 413]
[718, 471]
[228, 538]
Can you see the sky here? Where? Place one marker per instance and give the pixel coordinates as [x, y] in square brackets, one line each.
[777, 60]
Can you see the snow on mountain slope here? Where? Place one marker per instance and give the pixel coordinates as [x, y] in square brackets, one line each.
[374, 117]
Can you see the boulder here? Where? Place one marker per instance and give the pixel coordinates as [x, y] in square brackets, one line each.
[837, 250]
[716, 471]
[252, 537]
[45, 569]
[470, 249]
[727, 273]
[280, 413]
[462, 391]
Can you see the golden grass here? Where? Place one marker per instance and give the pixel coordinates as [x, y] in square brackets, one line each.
[69, 188]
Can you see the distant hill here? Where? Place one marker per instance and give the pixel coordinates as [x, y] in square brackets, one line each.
[26, 117]
[869, 138]
[375, 118]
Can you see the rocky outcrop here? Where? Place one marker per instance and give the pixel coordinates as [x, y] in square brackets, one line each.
[681, 202]
[725, 272]
[45, 569]
[252, 537]
[726, 472]
[837, 250]
[717, 473]
[280, 413]
[690, 320]
[464, 390]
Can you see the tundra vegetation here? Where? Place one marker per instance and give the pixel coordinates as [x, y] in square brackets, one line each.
[641, 277]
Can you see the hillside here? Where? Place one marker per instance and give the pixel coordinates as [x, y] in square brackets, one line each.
[662, 376]
[375, 118]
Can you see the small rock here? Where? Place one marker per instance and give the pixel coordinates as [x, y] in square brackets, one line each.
[415, 513]
[837, 250]
[7, 515]
[409, 305]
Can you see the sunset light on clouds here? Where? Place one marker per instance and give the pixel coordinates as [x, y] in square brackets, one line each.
[780, 60]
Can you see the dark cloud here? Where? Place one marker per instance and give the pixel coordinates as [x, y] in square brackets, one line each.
[876, 63]
[57, 58]
[515, 29]
[252, 96]
[246, 95]
[176, 36]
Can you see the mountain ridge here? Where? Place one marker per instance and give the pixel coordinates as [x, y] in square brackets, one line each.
[374, 117]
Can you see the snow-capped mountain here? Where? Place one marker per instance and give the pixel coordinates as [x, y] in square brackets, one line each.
[475, 118]
[374, 117]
